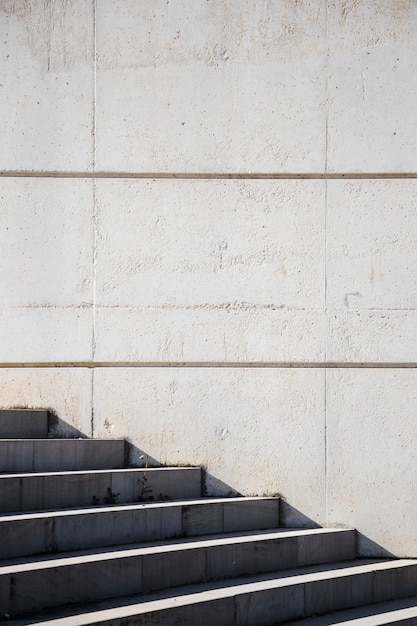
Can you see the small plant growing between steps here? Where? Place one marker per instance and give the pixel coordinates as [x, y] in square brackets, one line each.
[144, 489]
[111, 498]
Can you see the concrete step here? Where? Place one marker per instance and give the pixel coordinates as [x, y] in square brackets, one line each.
[60, 490]
[32, 585]
[56, 455]
[264, 599]
[27, 534]
[23, 423]
[396, 612]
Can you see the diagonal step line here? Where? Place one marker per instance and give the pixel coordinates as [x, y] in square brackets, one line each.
[136, 506]
[159, 547]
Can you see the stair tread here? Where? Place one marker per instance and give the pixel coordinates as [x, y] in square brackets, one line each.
[97, 471]
[88, 510]
[75, 557]
[369, 615]
[58, 439]
[83, 615]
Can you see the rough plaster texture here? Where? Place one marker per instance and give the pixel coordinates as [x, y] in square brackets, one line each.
[166, 271]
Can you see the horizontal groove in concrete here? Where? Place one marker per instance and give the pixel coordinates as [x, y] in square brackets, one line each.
[207, 175]
[214, 364]
[58, 531]
[63, 490]
[265, 599]
[47, 455]
[23, 423]
[47, 583]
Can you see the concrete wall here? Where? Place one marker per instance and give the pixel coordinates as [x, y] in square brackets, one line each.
[208, 211]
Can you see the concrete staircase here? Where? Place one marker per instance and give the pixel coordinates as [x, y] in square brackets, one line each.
[80, 546]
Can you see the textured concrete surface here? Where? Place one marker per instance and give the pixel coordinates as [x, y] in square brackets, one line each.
[192, 242]
[371, 244]
[65, 392]
[167, 271]
[199, 86]
[371, 59]
[47, 86]
[371, 428]
[47, 241]
[258, 431]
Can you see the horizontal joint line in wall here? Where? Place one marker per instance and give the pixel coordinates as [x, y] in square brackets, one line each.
[211, 175]
[213, 364]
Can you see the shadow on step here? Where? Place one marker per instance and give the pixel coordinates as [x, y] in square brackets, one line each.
[366, 547]
[58, 429]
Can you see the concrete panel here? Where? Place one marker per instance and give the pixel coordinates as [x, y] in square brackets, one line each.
[371, 472]
[236, 332]
[65, 392]
[46, 98]
[45, 334]
[372, 86]
[254, 245]
[376, 336]
[211, 86]
[257, 431]
[47, 242]
[371, 244]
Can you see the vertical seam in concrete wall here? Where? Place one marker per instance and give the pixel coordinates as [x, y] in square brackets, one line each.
[94, 81]
[95, 217]
[326, 73]
[92, 403]
[326, 510]
[325, 262]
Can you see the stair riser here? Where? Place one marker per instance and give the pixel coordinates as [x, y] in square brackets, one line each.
[54, 491]
[23, 424]
[147, 523]
[56, 455]
[101, 579]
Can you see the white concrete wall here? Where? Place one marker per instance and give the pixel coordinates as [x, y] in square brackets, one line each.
[148, 291]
